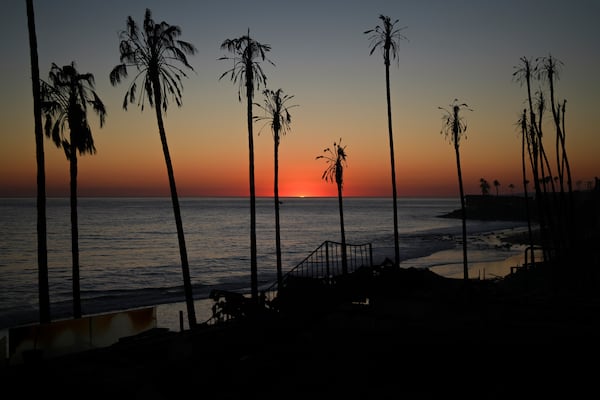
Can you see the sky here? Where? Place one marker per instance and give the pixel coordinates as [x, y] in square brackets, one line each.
[464, 50]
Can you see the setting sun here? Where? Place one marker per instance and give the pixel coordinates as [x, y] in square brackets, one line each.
[208, 136]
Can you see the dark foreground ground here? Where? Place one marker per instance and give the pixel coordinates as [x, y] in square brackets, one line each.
[419, 336]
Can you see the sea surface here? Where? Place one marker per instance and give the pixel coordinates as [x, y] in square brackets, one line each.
[129, 253]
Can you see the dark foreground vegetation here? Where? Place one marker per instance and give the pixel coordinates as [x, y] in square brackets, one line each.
[380, 331]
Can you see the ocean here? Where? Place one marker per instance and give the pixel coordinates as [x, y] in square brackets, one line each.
[129, 253]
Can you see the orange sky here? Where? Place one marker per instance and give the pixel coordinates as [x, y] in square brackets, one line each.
[322, 58]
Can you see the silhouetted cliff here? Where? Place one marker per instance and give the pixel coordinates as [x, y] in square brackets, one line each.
[498, 208]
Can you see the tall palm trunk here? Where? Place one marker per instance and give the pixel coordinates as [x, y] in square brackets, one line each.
[253, 253]
[462, 196]
[566, 165]
[546, 203]
[74, 230]
[42, 247]
[185, 269]
[563, 230]
[565, 159]
[342, 230]
[277, 225]
[392, 159]
[524, 141]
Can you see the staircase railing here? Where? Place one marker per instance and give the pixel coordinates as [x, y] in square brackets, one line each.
[325, 263]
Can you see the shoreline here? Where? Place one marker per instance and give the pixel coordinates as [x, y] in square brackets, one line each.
[417, 328]
[507, 244]
[429, 331]
[494, 260]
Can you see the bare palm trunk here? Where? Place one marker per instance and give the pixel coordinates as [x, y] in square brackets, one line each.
[185, 269]
[74, 232]
[566, 165]
[524, 140]
[342, 231]
[42, 248]
[393, 163]
[534, 154]
[277, 226]
[563, 230]
[546, 203]
[565, 159]
[462, 199]
[253, 261]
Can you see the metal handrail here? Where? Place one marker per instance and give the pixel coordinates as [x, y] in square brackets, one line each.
[325, 263]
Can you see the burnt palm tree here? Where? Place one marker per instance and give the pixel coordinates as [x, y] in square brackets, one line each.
[65, 99]
[278, 116]
[532, 131]
[42, 246]
[549, 70]
[454, 129]
[248, 73]
[154, 51]
[388, 37]
[336, 158]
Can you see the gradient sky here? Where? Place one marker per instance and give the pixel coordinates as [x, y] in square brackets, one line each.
[459, 49]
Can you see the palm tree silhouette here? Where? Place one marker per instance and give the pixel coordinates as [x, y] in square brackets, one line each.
[497, 185]
[278, 116]
[153, 51]
[336, 159]
[453, 129]
[42, 244]
[388, 38]
[549, 69]
[248, 73]
[65, 100]
[525, 149]
[484, 185]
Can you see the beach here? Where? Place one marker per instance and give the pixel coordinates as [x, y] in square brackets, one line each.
[492, 255]
[417, 335]
[417, 331]
[131, 259]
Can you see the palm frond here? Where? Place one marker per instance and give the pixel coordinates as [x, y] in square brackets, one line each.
[386, 37]
[64, 103]
[153, 50]
[118, 72]
[245, 51]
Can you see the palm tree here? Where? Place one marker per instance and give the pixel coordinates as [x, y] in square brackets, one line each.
[278, 115]
[42, 246]
[454, 128]
[154, 51]
[549, 70]
[65, 101]
[484, 185]
[496, 185]
[526, 149]
[533, 139]
[388, 38]
[248, 73]
[336, 159]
